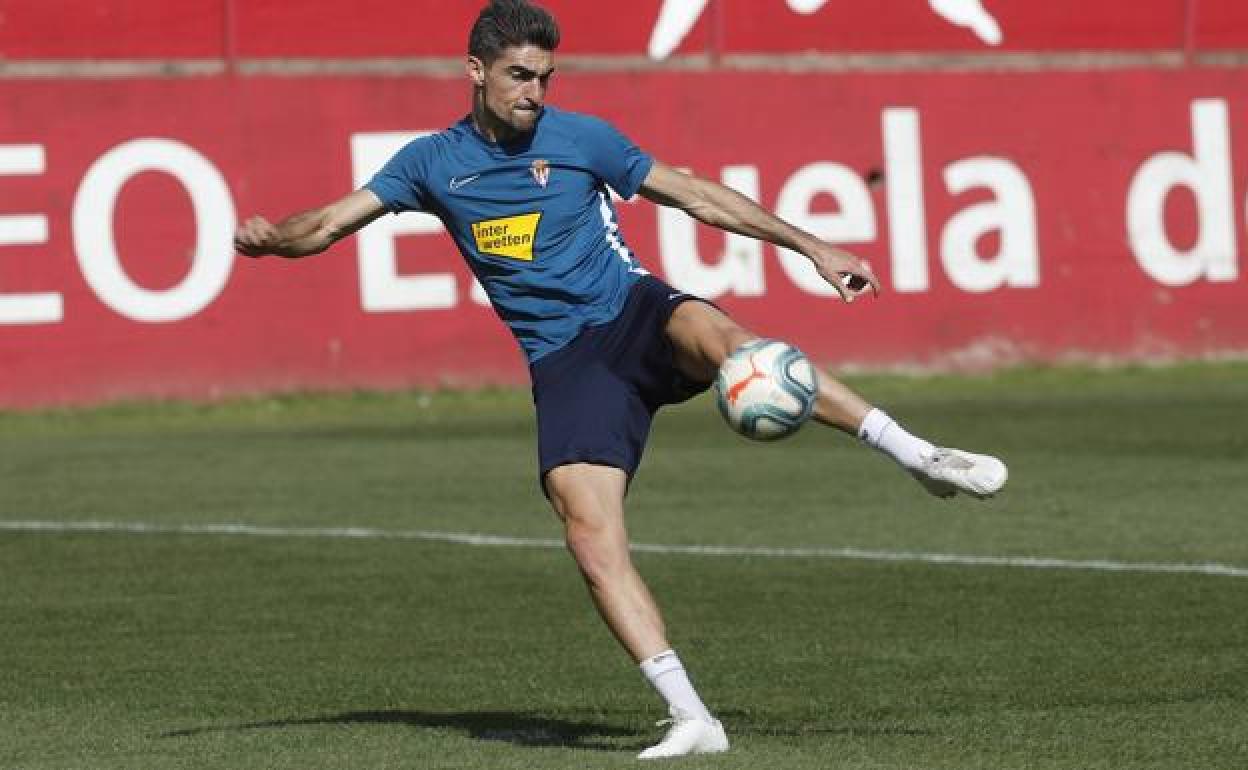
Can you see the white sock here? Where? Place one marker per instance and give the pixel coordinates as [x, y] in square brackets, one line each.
[668, 676]
[882, 432]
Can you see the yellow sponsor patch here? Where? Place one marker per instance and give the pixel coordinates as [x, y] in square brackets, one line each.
[510, 237]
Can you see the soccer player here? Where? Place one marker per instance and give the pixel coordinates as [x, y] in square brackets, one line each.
[522, 187]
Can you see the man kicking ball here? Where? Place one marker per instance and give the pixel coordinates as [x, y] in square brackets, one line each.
[523, 188]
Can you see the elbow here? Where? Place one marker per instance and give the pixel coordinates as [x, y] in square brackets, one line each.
[327, 236]
[334, 228]
[320, 239]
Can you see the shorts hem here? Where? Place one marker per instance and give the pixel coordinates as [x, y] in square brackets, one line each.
[684, 387]
[589, 458]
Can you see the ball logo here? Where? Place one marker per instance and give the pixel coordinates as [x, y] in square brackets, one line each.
[734, 392]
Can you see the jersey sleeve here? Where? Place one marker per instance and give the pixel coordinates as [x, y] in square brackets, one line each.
[400, 184]
[613, 157]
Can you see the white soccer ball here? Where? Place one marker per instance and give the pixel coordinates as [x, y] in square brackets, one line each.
[766, 389]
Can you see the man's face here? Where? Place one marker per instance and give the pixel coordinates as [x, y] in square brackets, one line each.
[513, 86]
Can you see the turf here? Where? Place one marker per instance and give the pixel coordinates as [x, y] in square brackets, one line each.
[167, 650]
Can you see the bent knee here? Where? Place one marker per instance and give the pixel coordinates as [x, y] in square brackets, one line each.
[702, 337]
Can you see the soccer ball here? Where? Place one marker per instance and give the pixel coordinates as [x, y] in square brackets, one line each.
[766, 389]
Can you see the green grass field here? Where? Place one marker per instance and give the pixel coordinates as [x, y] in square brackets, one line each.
[161, 650]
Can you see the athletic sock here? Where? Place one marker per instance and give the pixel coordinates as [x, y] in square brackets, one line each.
[882, 432]
[668, 676]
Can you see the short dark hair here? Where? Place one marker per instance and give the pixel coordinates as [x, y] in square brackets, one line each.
[506, 23]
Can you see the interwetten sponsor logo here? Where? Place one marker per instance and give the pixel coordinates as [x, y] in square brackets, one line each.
[510, 237]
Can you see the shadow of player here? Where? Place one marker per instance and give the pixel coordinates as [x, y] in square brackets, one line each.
[522, 729]
[531, 730]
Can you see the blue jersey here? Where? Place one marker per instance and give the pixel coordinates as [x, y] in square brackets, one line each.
[533, 219]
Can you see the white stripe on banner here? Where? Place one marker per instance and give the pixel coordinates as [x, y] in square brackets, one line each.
[478, 539]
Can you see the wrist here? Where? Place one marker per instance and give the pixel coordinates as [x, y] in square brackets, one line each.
[806, 244]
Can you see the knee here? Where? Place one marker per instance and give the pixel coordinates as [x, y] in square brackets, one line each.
[703, 337]
[598, 552]
[589, 501]
[585, 547]
[720, 336]
[729, 340]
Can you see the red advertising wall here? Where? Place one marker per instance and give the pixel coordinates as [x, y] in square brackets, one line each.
[915, 25]
[137, 29]
[77, 29]
[1012, 216]
[1220, 25]
[134, 29]
[370, 28]
[1065, 206]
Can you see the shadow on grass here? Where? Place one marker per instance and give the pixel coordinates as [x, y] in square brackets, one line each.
[509, 726]
[526, 729]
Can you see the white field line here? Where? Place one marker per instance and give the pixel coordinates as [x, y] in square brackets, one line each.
[478, 539]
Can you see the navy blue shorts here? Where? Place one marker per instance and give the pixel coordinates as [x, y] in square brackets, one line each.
[597, 395]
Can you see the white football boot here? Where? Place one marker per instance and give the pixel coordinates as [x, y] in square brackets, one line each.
[688, 735]
[949, 471]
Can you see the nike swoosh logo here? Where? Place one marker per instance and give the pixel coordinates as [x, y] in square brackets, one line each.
[458, 182]
[674, 295]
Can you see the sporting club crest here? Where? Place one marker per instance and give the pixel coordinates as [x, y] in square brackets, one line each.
[540, 171]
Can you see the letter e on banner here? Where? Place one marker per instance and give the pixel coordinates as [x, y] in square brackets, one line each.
[26, 229]
[854, 222]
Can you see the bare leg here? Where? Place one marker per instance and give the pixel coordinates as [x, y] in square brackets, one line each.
[590, 501]
[702, 337]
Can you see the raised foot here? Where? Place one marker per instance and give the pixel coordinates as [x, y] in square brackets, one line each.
[949, 471]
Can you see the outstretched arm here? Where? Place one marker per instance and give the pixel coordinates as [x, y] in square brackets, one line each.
[309, 232]
[727, 209]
